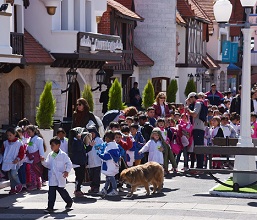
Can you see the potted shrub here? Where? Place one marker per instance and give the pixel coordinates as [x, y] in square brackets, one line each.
[190, 87]
[148, 94]
[172, 91]
[115, 97]
[45, 113]
[88, 95]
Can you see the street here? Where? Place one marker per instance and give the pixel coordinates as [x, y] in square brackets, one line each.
[183, 197]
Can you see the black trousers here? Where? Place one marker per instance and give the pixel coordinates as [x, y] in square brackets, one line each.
[198, 136]
[95, 177]
[80, 175]
[52, 195]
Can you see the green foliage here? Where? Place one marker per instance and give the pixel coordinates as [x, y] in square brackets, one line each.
[148, 94]
[190, 87]
[172, 91]
[88, 95]
[46, 108]
[115, 97]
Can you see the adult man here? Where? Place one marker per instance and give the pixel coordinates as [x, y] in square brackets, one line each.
[133, 93]
[215, 97]
[236, 102]
[198, 131]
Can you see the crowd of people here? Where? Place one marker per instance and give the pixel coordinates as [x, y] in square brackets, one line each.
[161, 133]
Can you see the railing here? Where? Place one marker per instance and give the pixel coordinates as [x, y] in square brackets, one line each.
[17, 43]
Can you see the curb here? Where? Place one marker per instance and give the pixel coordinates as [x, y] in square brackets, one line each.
[4, 184]
[232, 194]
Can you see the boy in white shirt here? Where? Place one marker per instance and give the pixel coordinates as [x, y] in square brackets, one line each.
[64, 141]
[59, 165]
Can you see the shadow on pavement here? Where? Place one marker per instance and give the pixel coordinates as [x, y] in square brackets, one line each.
[253, 204]
[84, 200]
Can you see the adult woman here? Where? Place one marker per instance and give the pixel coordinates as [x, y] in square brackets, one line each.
[160, 106]
[82, 115]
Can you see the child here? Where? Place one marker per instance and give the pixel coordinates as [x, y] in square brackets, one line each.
[150, 115]
[216, 131]
[155, 147]
[64, 141]
[59, 166]
[22, 164]
[13, 152]
[138, 143]
[110, 167]
[254, 125]
[129, 120]
[160, 123]
[94, 162]
[79, 159]
[35, 154]
[186, 139]
[131, 151]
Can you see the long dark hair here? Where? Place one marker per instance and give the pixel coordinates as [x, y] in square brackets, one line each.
[37, 132]
[84, 103]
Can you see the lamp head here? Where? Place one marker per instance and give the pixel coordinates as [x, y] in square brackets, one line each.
[222, 10]
[248, 3]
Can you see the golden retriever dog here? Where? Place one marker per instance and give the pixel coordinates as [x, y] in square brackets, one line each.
[150, 173]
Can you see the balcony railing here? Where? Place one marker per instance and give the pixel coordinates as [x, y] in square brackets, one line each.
[17, 43]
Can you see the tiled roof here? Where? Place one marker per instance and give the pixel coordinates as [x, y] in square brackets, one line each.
[179, 19]
[237, 16]
[124, 11]
[34, 53]
[207, 6]
[142, 59]
[190, 8]
[209, 62]
[127, 3]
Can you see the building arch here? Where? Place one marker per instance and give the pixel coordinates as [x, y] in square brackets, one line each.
[19, 101]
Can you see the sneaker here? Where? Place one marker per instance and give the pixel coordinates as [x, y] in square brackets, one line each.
[93, 190]
[19, 188]
[12, 192]
[68, 206]
[32, 188]
[48, 210]
[103, 192]
[113, 193]
[78, 194]
[44, 183]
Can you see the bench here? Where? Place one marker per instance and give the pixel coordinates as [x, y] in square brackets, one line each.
[227, 151]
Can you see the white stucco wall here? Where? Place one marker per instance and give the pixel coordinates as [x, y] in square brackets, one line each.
[156, 37]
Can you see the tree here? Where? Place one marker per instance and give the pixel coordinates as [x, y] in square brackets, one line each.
[172, 91]
[88, 95]
[46, 108]
[115, 97]
[148, 94]
[190, 87]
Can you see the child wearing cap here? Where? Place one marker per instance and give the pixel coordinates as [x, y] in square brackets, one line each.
[94, 162]
[79, 159]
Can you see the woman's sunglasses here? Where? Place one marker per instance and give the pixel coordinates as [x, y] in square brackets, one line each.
[79, 104]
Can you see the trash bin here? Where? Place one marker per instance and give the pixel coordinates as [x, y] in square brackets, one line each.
[56, 126]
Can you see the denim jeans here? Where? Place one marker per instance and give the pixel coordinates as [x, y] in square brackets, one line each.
[185, 157]
[22, 173]
[14, 178]
[52, 195]
[110, 180]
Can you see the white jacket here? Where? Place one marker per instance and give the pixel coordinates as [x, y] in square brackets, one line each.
[153, 148]
[93, 159]
[11, 151]
[56, 167]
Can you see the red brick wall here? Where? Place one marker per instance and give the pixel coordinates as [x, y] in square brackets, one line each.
[104, 27]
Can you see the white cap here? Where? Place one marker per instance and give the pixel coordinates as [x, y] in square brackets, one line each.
[191, 94]
[201, 94]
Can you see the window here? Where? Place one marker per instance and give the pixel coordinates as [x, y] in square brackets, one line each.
[223, 37]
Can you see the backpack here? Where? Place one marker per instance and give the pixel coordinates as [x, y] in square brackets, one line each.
[203, 112]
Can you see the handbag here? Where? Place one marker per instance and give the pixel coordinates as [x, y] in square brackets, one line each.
[176, 148]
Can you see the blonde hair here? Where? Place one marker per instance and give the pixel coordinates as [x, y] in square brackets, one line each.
[159, 95]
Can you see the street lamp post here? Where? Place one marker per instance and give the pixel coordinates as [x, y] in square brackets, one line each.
[222, 12]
